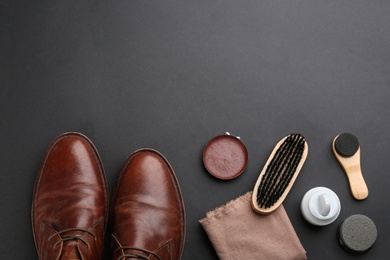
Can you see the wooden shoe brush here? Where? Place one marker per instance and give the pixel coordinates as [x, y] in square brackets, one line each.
[279, 173]
[346, 149]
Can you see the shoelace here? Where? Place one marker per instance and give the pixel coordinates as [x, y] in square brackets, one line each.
[136, 255]
[70, 237]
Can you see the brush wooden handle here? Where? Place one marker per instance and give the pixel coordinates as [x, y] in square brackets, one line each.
[352, 168]
[266, 211]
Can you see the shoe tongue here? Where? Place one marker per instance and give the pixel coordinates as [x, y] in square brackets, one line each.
[70, 251]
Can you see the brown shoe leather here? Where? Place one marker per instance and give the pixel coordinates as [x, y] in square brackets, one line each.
[147, 214]
[69, 209]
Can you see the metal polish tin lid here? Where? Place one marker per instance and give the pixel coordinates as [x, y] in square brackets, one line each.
[320, 206]
[225, 156]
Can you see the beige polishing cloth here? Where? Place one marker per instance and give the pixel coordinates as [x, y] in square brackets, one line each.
[237, 232]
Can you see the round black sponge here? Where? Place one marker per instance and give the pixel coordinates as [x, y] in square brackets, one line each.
[357, 233]
[346, 144]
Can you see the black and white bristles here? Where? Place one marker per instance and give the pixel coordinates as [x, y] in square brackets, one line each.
[279, 173]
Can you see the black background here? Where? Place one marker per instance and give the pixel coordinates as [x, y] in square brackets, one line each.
[171, 75]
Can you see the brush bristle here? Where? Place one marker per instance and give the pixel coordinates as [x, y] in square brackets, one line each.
[280, 170]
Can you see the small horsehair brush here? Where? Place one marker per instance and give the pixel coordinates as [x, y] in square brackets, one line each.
[279, 173]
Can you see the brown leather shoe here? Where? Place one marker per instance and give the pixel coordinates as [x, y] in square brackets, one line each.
[69, 209]
[147, 214]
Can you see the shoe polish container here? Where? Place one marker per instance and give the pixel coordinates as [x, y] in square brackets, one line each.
[320, 206]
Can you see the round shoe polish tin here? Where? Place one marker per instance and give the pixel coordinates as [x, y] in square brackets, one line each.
[225, 156]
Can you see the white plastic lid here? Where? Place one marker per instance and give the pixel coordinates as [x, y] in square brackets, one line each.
[320, 206]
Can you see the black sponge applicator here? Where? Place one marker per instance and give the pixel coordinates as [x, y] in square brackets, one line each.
[346, 149]
[346, 144]
[357, 233]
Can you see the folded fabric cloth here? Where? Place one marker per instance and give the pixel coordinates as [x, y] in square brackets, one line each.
[237, 232]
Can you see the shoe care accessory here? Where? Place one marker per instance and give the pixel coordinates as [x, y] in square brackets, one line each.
[225, 156]
[347, 151]
[237, 232]
[279, 173]
[320, 206]
[357, 233]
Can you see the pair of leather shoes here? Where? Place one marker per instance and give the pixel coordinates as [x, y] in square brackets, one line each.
[70, 205]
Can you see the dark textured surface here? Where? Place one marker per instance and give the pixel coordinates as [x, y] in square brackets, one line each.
[171, 75]
[346, 144]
